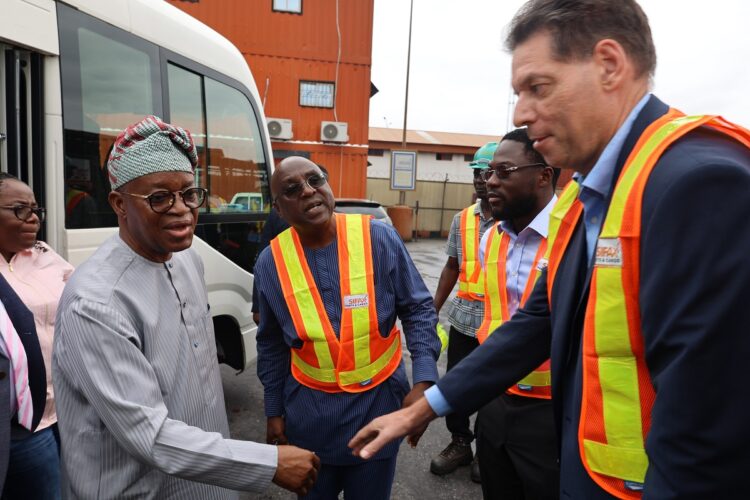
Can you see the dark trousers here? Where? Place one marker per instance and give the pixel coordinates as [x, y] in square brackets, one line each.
[517, 449]
[365, 481]
[459, 346]
[34, 467]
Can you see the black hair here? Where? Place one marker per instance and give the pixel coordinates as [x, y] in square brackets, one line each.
[522, 135]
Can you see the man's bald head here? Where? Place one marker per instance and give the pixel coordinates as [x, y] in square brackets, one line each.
[289, 164]
[301, 194]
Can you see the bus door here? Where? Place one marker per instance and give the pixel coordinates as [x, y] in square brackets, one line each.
[22, 118]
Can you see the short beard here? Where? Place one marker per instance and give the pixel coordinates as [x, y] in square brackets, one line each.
[520, 208]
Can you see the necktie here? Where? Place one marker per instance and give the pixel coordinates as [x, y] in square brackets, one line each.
[17, 356]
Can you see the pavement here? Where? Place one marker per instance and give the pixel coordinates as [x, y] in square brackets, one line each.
[244, 397]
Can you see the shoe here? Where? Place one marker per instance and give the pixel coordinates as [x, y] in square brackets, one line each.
[476, 476]
[456, 454]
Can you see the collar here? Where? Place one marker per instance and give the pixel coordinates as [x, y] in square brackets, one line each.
[478, 209]
[540, 223]
[600, 178]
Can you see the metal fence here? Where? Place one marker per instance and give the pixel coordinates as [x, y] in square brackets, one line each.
[434, 203]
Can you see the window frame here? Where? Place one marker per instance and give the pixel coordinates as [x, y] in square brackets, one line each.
[167, 57]
[333, 94]
[287, 11]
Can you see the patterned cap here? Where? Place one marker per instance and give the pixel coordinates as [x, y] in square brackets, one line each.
[148, 147]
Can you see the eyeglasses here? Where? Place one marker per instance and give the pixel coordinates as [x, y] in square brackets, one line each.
[314, 181]
[24, 212]
[504, 172]
[162, 201]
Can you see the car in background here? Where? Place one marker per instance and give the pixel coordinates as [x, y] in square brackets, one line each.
[366, 207]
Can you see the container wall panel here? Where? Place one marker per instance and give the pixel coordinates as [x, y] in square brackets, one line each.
[283, 48]
[255, 28]
[278, 82]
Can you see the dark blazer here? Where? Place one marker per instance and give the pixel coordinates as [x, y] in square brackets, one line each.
[695, 316]
[23, 321]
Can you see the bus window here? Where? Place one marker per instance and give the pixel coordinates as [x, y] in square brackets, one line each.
[186, 111]
[110, 80]
[236, 162]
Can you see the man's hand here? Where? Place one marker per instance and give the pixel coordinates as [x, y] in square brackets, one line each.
[297, 469]
[372, 437]
[414, 395]
[275, 431]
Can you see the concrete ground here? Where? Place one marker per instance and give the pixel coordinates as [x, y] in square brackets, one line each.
[244, 397]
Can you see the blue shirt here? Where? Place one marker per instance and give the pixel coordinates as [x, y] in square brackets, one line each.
[325, 422]
[522, 249]
[595, 190]
[597, 185]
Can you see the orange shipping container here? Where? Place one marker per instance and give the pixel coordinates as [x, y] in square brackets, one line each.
[330, 41]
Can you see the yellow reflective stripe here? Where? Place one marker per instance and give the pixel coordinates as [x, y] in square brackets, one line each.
[618, 371]
[367, 372]
[564, 202]
[304, 297]
[319, 374]
[470, 248]
[537, 378]
[470, 255]
[624, 463]
[493, 290]
[623, 456]
[358, 286]
[613, 222]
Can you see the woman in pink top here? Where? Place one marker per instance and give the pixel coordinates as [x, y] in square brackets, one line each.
[37, 275]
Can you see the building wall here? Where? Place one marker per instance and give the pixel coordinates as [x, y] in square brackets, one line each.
[282, 49]
[428, 168]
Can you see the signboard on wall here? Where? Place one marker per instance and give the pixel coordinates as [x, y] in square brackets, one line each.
[403, 170]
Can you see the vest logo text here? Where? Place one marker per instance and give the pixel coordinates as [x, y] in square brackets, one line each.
[356, 301]
[608, 252]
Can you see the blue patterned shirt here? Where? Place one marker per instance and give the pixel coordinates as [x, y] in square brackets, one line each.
[325, 422]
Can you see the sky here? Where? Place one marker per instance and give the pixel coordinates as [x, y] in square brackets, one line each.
[460, 73]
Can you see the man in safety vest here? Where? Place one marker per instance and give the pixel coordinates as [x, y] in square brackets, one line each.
[643, 305]
[467, 308]
[329, 353]
[516, 441]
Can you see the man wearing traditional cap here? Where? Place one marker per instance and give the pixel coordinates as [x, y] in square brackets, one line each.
[140, 402]
[467, 309]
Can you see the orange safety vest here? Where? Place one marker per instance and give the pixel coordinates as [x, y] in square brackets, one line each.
[358, 359]
[617, 394]
[470, 282]
[537, 383]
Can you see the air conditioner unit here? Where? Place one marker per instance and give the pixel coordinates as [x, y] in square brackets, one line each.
[334, 131]
[280, 128]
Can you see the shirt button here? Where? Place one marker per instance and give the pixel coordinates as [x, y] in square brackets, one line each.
[169, 265]
[594, 220]
[514, 274]
[195, 344]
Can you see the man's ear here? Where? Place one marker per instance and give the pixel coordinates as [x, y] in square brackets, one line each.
[117, 202]
[546, 176]
[612, 61]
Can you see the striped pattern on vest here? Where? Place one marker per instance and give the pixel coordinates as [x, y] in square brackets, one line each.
[537, 383]
[617, 390]
[470, 280]
[360, 357]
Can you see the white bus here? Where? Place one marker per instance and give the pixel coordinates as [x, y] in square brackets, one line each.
[73, 74]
